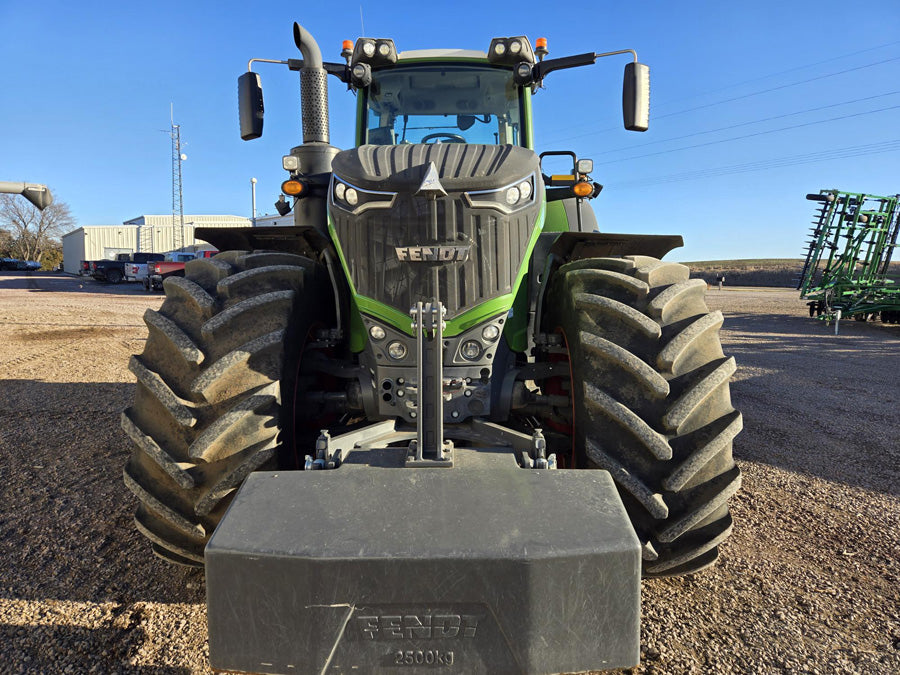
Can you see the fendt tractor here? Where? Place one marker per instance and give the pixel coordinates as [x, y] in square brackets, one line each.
[442, 422]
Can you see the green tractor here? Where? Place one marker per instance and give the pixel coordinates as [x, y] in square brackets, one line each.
[375, 427]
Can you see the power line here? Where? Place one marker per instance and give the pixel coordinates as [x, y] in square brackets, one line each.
[738, 138]
[738, 98]
[744, 124]
[729, 172]
[766, 163]
[780, 86]
[776, 162]
[762, 165]
[780, 72]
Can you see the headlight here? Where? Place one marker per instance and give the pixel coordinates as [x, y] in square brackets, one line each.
[356, 200]
[470, 350]
[377, 333]
[397, 350]
[490, 332]
[509, 198]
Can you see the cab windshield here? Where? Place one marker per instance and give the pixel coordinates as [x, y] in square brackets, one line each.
[443, 104]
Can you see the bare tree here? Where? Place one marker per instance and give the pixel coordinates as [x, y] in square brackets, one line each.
[7, 243]
[34, 231]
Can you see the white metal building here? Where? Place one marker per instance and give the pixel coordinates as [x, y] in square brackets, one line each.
[275, 220]
[99, 242]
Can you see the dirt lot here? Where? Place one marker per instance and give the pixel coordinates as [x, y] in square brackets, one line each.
[809, 582]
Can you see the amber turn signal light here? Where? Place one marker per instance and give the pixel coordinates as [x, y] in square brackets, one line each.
[294, 188]
[582, 189]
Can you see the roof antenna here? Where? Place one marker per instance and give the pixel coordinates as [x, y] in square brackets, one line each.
[362, 23]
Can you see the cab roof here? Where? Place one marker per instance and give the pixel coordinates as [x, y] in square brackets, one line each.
[442, 54]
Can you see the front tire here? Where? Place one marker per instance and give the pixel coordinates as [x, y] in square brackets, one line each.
[651, 402]
[220, 359]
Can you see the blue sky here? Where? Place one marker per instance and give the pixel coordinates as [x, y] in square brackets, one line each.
[87, 87]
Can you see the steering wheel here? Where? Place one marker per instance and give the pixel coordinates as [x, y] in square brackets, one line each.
[452, 138]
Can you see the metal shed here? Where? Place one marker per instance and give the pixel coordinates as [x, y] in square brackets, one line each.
[98, 242]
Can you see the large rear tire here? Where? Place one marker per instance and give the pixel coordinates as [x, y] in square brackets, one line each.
[651, 402]
[219, 362]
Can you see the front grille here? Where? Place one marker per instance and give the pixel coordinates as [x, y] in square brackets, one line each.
[498, 244]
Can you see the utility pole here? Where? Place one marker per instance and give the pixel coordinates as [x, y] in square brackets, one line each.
[177, 204]
[253, 198]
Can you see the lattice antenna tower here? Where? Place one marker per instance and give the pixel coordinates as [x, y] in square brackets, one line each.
[177, 204]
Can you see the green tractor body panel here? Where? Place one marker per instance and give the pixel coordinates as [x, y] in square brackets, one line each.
[557, 220]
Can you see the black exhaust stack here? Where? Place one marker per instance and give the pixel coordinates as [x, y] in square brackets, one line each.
[316, 153]
[313, 88]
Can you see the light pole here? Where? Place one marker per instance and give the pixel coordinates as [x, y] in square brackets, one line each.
[253, 195]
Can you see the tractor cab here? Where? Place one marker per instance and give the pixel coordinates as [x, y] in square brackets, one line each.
[430, 101]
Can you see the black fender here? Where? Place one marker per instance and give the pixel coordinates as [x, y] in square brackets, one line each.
[571, 246]
[554, 250]
[303, 240]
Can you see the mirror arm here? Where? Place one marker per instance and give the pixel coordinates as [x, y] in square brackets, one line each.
[252, 61]
[621, 51]
[542, 69]
[339, 70]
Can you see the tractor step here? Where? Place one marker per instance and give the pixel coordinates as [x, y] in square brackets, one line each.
[478, 568]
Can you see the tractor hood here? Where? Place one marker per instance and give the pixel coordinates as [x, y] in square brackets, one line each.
[461, 167]
[450, 221]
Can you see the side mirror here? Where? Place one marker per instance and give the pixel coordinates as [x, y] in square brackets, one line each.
[636, 97]
[250, 105]
[282, 206]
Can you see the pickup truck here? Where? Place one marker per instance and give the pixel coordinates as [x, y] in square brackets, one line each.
[172, 266]
[116, 271]
[141, 271]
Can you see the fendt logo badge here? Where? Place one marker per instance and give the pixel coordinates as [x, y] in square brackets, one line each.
[432, 253]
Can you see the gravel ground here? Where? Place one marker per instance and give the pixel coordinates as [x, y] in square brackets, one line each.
[807, 583]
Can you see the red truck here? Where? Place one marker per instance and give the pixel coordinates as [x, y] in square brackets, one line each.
[172, 266]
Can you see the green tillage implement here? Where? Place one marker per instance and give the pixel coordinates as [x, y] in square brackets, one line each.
[852, 239]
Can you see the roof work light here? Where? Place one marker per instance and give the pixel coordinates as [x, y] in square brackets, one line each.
[511, 50]
[374, 51]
